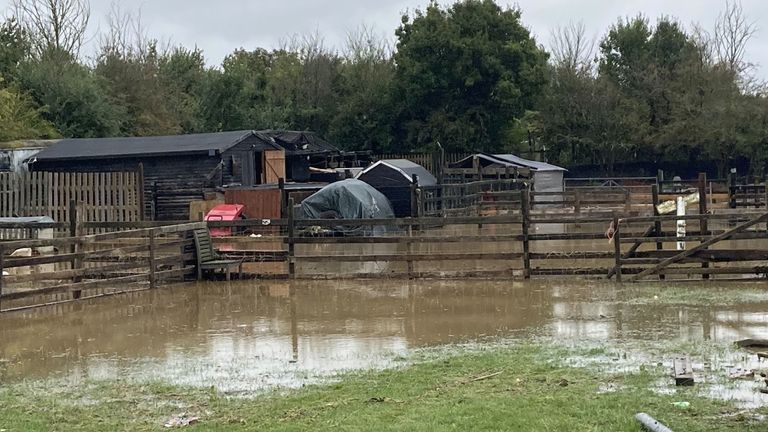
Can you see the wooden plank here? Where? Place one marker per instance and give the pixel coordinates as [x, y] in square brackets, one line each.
[415, 257]
[683, 371]
[702, 246]
[399, 239]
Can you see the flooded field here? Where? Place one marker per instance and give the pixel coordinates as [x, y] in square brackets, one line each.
[249, 336]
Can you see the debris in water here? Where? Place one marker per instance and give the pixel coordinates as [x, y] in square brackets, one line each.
[181, 420]
[739, 373]
[752, 343]
[651, 424]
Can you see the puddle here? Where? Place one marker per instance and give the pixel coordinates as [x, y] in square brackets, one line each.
[250, 336]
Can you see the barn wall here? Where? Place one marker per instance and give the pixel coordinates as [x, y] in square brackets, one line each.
[176, 180]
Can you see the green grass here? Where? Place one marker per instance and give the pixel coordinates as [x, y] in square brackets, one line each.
[533, 392]
[689, 295]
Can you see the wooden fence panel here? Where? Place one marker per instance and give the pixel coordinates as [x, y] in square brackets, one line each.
[105, 197]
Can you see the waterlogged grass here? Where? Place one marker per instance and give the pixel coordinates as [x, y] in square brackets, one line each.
[515, 388]
[689, 295]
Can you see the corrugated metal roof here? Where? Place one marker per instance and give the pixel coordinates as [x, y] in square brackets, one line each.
[407, 168]
[538, 166]
[97, 148]
[511, 161]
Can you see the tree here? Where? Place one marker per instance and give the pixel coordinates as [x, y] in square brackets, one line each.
[362, 119]
[76, 100]
[463, 75]
[14, 48]
[20, 118]
[55, 25]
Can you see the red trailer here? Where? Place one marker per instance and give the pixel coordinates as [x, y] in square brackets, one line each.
[224, 212]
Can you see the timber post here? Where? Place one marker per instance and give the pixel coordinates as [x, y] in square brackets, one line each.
[291, 236]
[526, 222]
[657, 223]
[283, 197]
[577, 202]
[142, 198]
[627, 202]
[617, 246]
[2, 258]
[414, 196]
[703, 225]
[151, 239]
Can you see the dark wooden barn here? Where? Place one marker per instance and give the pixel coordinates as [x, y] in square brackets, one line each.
[177, 169]
[393, 178]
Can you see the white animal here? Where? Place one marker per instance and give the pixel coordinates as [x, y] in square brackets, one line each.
[23, 252]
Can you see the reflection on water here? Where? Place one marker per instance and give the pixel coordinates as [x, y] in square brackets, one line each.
[246, 336]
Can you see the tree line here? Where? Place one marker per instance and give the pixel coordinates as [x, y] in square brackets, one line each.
[465, 77]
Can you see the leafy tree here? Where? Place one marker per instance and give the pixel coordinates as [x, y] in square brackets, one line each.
[14, 48]
[75, 100]
[20, 118]
[464, 74]
[363, 114]
[182, 75]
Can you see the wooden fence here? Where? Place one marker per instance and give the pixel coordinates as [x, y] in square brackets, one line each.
[87, 266]
[104, 197]
[519, 244]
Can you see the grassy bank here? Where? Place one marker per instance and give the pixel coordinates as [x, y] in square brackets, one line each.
[517, 388]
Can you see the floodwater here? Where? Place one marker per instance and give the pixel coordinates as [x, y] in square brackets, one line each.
[248, 336]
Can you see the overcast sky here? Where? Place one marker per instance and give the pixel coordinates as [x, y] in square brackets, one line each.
[220, 26]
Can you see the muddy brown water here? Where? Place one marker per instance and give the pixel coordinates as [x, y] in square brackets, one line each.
[248, 336]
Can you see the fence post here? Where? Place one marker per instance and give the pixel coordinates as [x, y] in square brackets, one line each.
[415, 196]
[2, 263]
[703, 223]
[617, 247]
[732, 188]
[525, 210]
[657, 223]
[627, 202]
[291, 235]
[577, 202]
[75, 229]
[283, 198]
[152, 280]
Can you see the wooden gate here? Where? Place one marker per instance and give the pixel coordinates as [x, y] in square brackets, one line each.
[102, 197]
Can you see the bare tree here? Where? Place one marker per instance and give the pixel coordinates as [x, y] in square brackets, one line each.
[126, 36]
[571, 48]
[365, 45]
[55, 25]
[733, 31]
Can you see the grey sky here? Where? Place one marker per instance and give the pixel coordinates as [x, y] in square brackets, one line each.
[220, 26]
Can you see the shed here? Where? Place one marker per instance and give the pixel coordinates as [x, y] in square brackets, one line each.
[14, 154]
[393, 178]
[546, 177]
[177, 169]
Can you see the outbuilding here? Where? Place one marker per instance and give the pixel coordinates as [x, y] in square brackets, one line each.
[394, 178]
[177, 169]
[547, 178]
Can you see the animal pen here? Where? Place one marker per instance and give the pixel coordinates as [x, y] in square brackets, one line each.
[496, 228]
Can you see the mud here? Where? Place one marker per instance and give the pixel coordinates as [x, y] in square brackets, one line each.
[249, 336]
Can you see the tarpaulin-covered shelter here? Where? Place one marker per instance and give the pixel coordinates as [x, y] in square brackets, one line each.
[348, 200]
[393, 178]
[546, 177]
